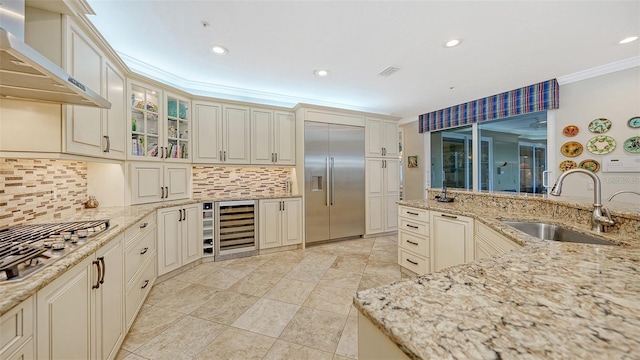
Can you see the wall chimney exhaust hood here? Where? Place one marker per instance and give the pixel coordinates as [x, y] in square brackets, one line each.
[28, 75]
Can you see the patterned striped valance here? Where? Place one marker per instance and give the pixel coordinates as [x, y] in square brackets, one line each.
[529, 99]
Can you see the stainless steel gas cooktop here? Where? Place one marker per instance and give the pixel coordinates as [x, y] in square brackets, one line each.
[26, 249]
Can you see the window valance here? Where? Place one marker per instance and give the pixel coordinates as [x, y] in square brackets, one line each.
[528, 99]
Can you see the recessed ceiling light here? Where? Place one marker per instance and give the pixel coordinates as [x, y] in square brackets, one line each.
[219, 50]
[628, 40]
[452, 43]
[321, 72]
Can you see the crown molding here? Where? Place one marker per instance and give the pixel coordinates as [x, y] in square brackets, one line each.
[599, 70]
[198, 88]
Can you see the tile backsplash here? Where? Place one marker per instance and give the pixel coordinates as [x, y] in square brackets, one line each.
[209, 182]
[40, 189]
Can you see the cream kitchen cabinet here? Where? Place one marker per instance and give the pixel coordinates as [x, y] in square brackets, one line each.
[160, 124]
[91, 131]
[179, 237]
[382, 193]
[273, 137]
[280, 222]
[140, 265]
[153, 182]
[488, 243]
[80, 315]
[413, 239]
[17, 330]
[222, 133]
[381, 138]
[451, 238]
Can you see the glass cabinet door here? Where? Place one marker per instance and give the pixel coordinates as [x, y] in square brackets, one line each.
[177, 128]
[145, 136]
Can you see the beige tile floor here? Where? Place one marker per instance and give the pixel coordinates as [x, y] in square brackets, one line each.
[289, 305]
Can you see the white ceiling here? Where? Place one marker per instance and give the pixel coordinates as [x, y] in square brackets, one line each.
[274, 47]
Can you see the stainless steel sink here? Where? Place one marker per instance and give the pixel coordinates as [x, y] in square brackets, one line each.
[554, 232]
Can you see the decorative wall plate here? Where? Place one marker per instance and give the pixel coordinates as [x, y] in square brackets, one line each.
[601, 145]
[632, 144]
[568, 165]
[589, 164]
[570, 130]
[599, 126]
[634, 122]
[571, 149]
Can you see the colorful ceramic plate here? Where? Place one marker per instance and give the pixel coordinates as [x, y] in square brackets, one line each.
[601, 145]
[571, 149]
[599, 126]
[589, 164]
[634, 122]
[632, 144]
[568, 165]
[570, 131]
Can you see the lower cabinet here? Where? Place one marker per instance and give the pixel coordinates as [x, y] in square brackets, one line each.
[488, 243]
[280, 222]
[16, 331]
[451, 240]
[80, 315]
[373, 344]
[413, 239]
[179, 237]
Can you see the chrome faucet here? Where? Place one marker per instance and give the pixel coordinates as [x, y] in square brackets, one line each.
[598, 219]
[624, 192]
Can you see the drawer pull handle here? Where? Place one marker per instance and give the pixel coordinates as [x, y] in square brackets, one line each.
[412, 213]
[411, 226]
[144, 251]
[412, 243]
[144, 225]
[413, 262]
[146, 282]
[449, 216]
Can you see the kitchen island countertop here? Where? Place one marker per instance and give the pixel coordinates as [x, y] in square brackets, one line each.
[545, 300]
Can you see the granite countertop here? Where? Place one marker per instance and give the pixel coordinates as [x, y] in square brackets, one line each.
[545, 300]
[120, 218]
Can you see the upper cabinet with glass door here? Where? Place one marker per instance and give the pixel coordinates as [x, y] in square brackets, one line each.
[160, 125]
[177, 128]
[146, 139]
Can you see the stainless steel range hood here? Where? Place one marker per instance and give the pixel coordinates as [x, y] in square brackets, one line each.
[28, 75]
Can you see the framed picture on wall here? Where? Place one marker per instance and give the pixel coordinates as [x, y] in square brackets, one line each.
[412, 161]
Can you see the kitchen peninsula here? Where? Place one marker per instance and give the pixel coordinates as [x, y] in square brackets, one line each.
[544, 300]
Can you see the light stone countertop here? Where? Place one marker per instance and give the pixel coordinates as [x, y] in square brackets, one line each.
[547, 300]
[120, 218]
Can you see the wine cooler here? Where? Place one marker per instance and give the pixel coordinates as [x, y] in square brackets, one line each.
[236, 229]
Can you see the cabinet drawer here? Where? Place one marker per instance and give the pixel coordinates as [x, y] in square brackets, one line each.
[414, 243]
[415, 214]
[16, 327]
[143, 247]
[413, 262]
[417, 227]
[140, 226]
[139, 288]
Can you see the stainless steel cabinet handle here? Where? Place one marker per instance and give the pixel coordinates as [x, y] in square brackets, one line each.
[97, 264]
[146, 282]
[144, 251]
[412, 213]
[327, 203]
[144, 225]
[411, 226]
[413, 262]
[449, 216]
[104, 269]
[412, 243]
[333, 182]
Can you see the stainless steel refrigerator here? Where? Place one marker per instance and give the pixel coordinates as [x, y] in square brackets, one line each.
[334, 181]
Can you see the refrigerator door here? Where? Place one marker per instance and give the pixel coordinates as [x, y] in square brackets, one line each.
[347, 197]
[316, 158]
